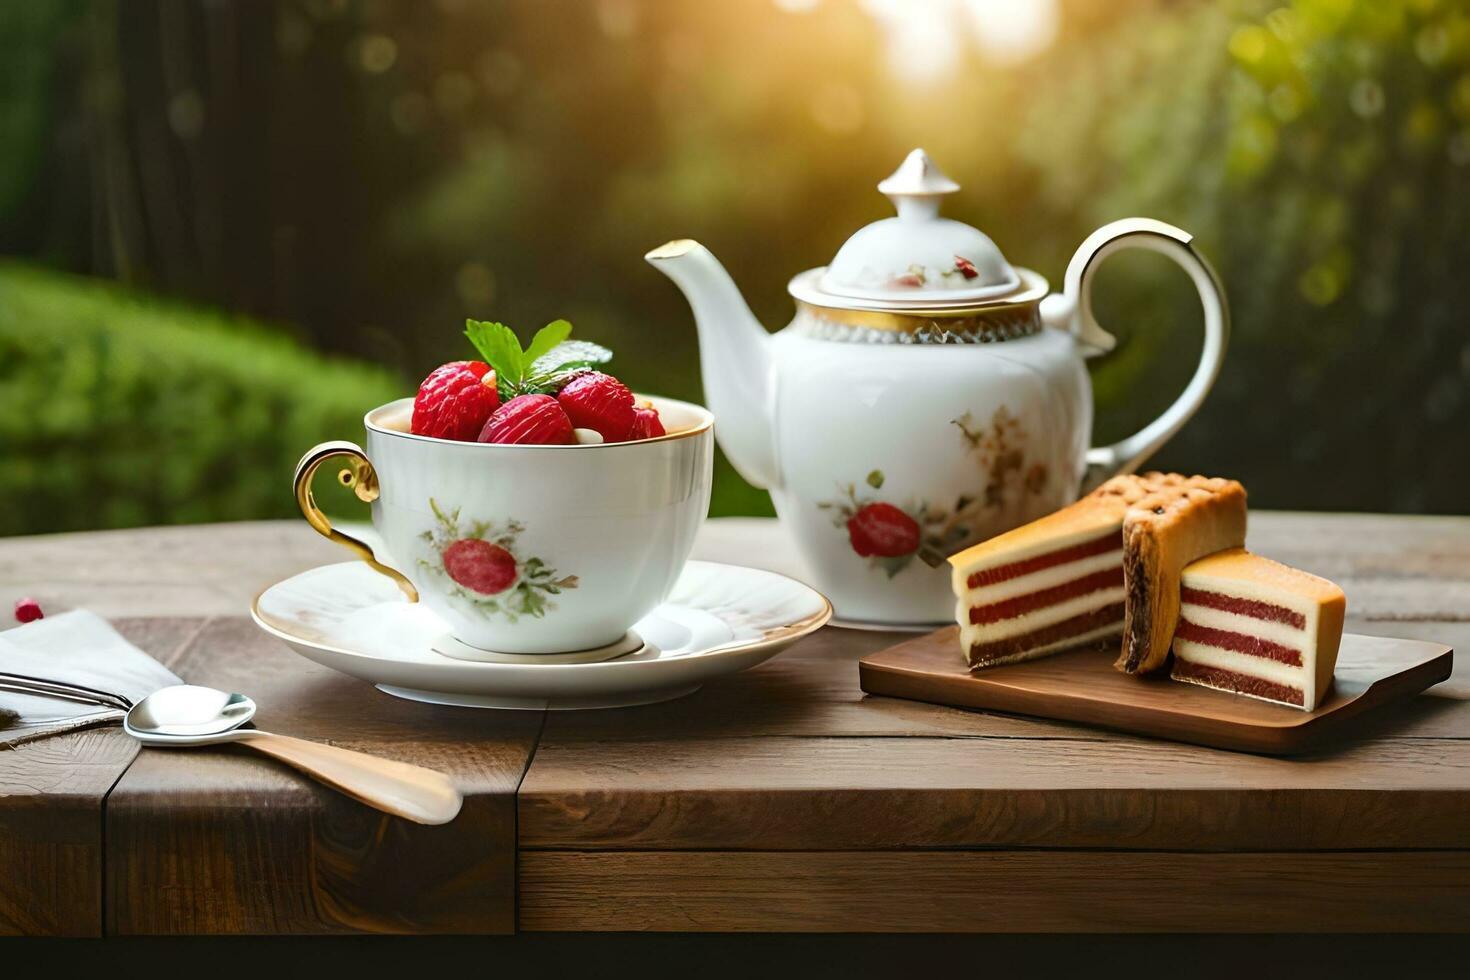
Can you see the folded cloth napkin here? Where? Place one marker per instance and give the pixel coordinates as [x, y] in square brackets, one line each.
[77, 648]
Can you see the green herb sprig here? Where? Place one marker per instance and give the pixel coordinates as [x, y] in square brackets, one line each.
[541, 367]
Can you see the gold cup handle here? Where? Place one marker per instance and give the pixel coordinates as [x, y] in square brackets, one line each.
[363, 479]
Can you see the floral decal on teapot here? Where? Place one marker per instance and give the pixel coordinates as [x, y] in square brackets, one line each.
[481, 559]
[890, 536]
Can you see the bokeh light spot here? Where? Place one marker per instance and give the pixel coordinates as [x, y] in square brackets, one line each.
[617, 18]
[475, 283]
[376, 53]
[1319, 285]
[186, 114]
[1366, 98]
[293, 33]
[410, 112]
[499, 71]
[1249, 43]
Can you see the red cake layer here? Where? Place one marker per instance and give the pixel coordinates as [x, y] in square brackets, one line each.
[1001, 573]
[1047, 635]
[1022, 604]
[1253, 608]
[1238, 683]
[1252, 646]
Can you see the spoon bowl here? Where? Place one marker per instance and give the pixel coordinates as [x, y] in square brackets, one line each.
[186, 714]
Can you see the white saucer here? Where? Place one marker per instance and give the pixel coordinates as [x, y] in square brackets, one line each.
[720, 619]
[862, 624]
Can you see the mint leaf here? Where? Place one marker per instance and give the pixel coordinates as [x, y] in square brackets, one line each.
[570, 354]
[500, 348]
[546, 339]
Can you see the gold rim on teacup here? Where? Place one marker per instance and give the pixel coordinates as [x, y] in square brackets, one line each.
[706, 421]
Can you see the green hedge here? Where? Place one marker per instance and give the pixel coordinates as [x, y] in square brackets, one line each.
[119, 410]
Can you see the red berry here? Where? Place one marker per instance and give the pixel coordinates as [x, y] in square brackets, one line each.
[646, 424]
[600, 402]
[884, 531]
[529, 419]
[455, 400]
[28, 610]
[480, 566]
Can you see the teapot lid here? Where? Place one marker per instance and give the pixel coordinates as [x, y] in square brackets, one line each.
[916, 258]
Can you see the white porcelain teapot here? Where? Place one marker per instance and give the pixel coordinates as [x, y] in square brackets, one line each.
[927, 395]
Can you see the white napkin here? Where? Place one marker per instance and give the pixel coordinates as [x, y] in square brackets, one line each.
[74, 647]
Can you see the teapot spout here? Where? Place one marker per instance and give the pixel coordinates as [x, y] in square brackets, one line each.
[734, 358]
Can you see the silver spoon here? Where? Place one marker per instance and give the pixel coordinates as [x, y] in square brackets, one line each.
[186, 715]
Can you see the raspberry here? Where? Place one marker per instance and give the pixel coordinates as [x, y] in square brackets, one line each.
[480, 566]
[599, 402]
[529, 419]
[28, 610]
[884, 531]
[646, 424]
[455, 400]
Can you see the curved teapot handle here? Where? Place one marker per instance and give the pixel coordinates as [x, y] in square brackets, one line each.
[1072, 311]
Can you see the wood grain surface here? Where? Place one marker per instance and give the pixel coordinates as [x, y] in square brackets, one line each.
[224, 841]
[995, 891]
[1083, 686]
[779, 799]
[51, 795]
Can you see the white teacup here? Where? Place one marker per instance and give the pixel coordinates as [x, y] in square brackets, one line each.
[527, 549]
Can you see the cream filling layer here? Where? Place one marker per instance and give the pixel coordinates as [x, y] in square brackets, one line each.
[1245, 588]
[1043, 546]
[1046, 578]
[1241, 663]
[1034, 620]
[1287, 636]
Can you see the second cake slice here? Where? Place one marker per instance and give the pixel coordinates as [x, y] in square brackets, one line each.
[1163, 532]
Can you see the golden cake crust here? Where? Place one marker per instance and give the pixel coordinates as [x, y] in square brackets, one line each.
[1163, 531]
[1239, 565]
[1100, 510]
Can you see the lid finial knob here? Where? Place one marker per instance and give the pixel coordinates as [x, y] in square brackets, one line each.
[916, 186]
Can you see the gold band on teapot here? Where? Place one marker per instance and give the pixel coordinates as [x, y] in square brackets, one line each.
[995, 323]
[1006, 318]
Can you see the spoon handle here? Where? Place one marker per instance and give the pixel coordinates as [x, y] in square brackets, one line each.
[404, 790]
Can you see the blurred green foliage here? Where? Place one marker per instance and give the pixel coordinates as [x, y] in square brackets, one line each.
[1320, 151]
[118, 410]
[373, 171]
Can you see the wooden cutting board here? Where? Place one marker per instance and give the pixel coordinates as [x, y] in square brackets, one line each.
[1083, 686]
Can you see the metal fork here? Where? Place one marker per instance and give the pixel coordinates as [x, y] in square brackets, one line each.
[24, 684]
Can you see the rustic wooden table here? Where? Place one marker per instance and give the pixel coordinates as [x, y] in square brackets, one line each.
[782, 799]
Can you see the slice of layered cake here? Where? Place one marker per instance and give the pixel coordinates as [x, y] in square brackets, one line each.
[1256, 627]
[1163, 532]
[1053, 584]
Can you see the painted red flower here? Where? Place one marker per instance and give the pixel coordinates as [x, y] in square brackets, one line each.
[882, 530]
[480, 566]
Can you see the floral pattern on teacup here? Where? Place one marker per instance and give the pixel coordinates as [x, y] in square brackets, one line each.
[480, 560]
[890, 535]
